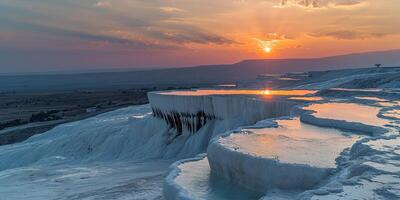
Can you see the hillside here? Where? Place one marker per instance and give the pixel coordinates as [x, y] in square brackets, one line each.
[210, 74]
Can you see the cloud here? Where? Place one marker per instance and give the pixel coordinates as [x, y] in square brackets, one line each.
[348, 34]
[271, 40]
[158, 39]
[276, 36]
[189, 36]
[136, 33]
[266, 43]
[142, 24]
[171, 9]
[103, 4]
[320, 3]
[81, 35]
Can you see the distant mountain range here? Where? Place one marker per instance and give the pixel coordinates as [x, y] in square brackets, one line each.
[208, 74]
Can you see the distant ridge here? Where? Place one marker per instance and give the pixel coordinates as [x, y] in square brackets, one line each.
[207, 74]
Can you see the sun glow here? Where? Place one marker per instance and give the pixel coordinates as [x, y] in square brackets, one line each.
[266, 92]
[267, 49]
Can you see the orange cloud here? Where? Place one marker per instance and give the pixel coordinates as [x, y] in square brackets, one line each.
[320, 3]
[348, 34]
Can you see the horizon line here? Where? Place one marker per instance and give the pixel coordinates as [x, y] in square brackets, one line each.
[150, 68]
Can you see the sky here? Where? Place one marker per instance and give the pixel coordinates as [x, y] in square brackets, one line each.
[61, 35]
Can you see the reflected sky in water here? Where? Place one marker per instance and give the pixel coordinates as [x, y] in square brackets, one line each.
[307, 98]
[351, 112]
[204, 92]
[295, 142]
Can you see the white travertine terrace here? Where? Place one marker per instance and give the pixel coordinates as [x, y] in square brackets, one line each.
[189, 110]
[205, 92]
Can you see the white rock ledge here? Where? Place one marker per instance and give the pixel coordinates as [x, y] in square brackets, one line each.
[264, 173]
[261, 173]
[360, 128]
[187, 114]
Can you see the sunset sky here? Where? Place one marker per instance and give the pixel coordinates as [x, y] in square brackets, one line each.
[61, 35]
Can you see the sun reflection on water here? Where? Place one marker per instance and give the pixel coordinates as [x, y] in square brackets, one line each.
[203, 92]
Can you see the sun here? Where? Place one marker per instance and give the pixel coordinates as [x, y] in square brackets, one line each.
[267, 49]
[266, 92]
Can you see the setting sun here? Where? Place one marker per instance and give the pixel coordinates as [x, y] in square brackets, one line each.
[267, 49]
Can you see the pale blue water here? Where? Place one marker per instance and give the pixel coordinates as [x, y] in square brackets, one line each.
[197, 179]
